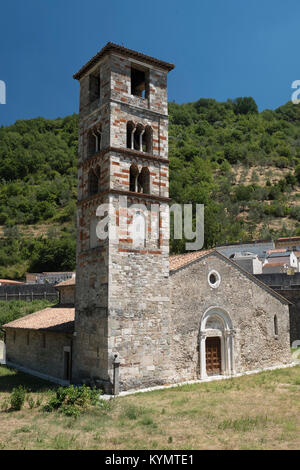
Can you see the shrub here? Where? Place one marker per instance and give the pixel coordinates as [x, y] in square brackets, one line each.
[72, 400]
[17, 398]
[30, 402]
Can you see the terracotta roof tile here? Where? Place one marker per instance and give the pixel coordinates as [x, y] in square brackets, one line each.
[9, 282]
[178, 261]
[275, 263]
[68, 282]
[58, 319]
[278, 250]
[287, 239]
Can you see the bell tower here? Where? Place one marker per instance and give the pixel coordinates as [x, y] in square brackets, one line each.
[122, 289]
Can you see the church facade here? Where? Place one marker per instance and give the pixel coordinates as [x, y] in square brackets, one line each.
[143, 318]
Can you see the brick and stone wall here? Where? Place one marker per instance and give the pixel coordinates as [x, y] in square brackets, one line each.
[122, 288]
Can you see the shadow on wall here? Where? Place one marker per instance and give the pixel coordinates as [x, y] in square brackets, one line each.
[10, 378]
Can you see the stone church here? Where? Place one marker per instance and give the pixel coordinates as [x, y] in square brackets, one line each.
[142, 318]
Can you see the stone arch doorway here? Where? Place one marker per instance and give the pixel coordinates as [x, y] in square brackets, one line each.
[216, 346]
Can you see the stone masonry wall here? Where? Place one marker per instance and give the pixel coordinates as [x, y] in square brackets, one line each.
[67, 295]
[250, 307]
[47, 360]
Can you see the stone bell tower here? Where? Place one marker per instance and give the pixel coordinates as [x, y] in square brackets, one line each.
[122, 290]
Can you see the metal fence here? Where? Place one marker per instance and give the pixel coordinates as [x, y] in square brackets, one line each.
[29, 297]
[28, 293]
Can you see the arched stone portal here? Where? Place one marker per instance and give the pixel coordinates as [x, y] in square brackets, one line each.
[216, 346]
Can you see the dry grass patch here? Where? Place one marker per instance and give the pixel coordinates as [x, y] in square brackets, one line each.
[260, 411]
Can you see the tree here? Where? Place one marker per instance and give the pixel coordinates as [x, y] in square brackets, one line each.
[245, 105]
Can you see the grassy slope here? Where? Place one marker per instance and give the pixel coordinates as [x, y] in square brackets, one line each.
[260, 411]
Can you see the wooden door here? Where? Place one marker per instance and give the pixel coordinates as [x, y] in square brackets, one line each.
[213, 356]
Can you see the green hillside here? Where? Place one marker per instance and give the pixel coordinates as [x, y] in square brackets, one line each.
[243, 165]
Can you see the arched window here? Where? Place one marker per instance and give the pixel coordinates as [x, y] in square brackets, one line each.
[94, 141]
[133, 177]
[139, 137]
[92, 183]
[147, 139]
[129, 137]
[144, 181]
[138, 229]
[275, 325]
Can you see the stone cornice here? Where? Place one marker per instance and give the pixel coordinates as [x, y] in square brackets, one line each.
[134, 153]
[90, 200]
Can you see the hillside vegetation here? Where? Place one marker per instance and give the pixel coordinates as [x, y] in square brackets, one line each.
[243, 165]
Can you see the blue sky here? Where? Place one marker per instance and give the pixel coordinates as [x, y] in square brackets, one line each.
[221, 48]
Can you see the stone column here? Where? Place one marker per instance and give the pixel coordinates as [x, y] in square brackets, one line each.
[202, 354]
[132, 138]
[141, 140]
[227, 340]
[232, 335]
[116, 383]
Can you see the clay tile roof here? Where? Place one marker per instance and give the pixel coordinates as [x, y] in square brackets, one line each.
[68, 282]
[56, 319]
[8, 281]
[111, 47]
[275, 263]
[278, 250]
[288, 238]
[178, 261]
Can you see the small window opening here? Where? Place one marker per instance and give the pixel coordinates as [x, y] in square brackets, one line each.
[94, 87]
[214, 279]
[14, 336]
[139, 83]
[67, 365]
[27, 339]
[44, 340]
[275, 325]
[133, 177]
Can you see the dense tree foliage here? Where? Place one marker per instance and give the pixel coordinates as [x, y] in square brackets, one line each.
[207, 141]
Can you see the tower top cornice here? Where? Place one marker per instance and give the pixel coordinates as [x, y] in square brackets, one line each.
[121, 50]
